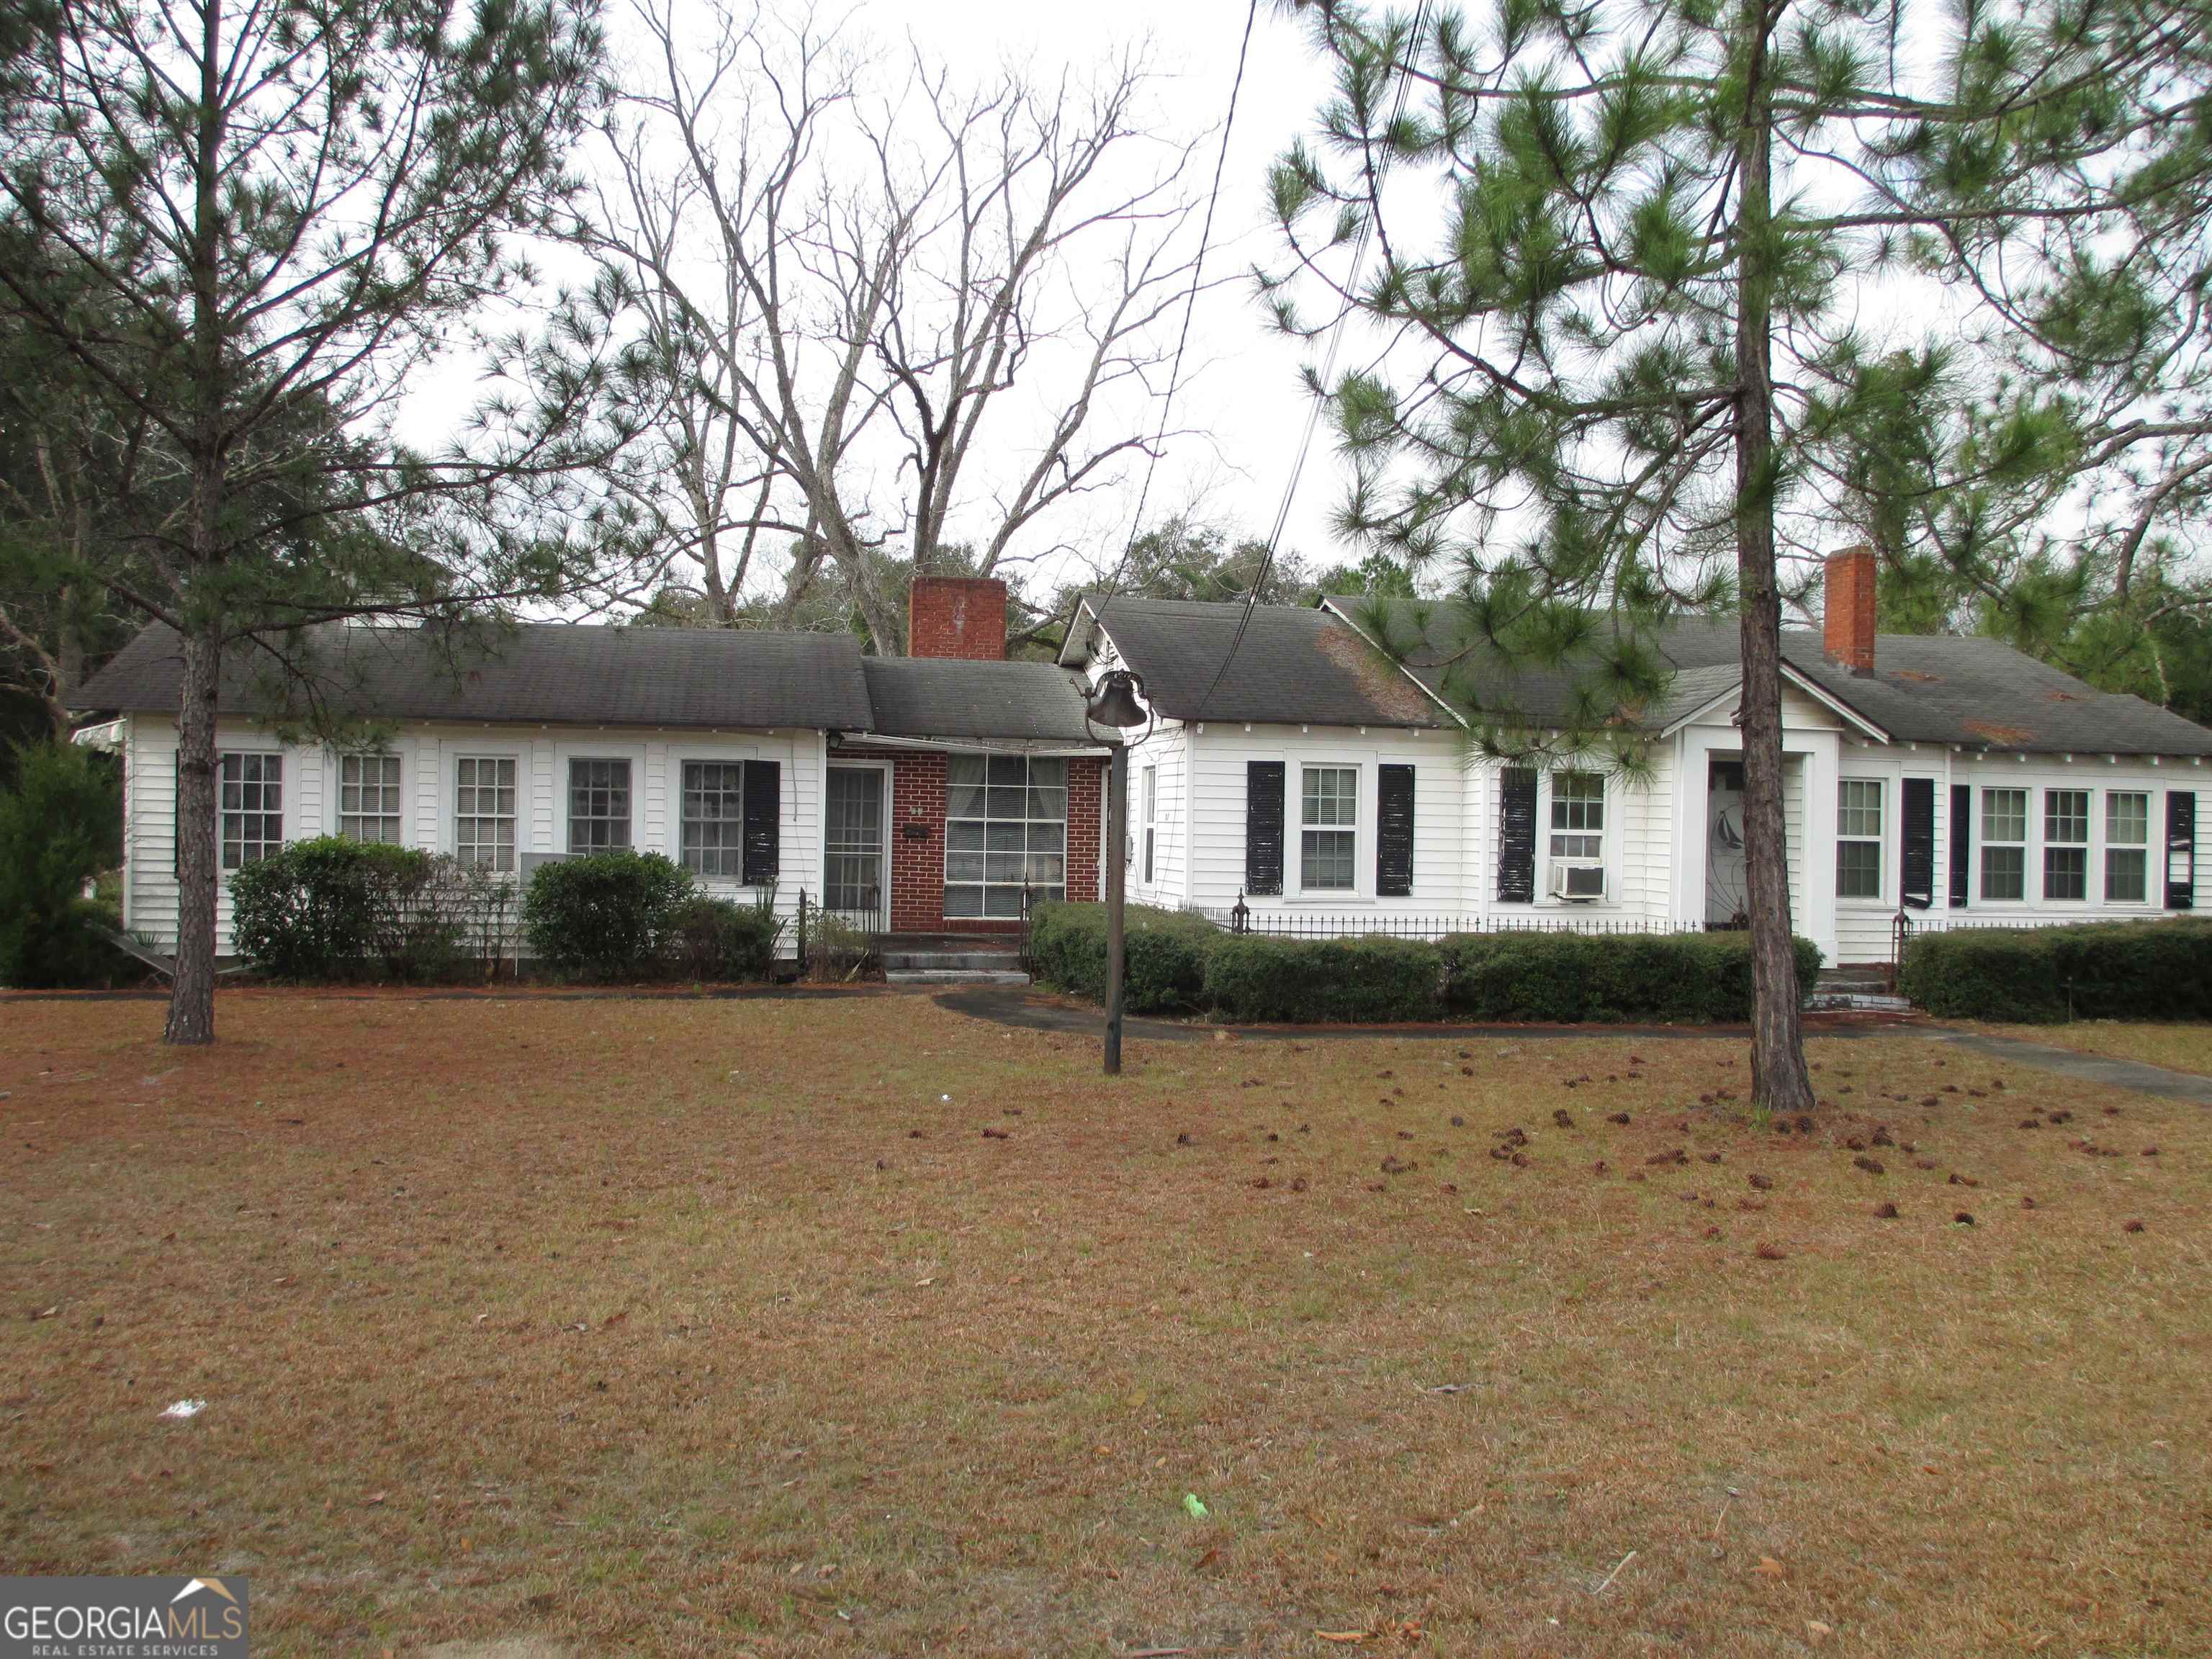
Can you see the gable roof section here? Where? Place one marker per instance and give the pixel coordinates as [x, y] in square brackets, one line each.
[1939, 689]
[941, 697]
[1295, 666]
[540, 673]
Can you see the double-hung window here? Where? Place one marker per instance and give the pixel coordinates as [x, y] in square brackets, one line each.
[1578, 815]
[2127, 847]
[368, 797]
[249, 807]
[1858, 838]
[2065, 843]
[483, 811]
[1328, 825]
[2004, 843]
[598, 805]
[1151, 814]
[713, 818]
[1005, 828]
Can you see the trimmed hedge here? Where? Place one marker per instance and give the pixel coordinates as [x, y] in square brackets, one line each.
[333, 908]
[1177, 962]
[1164, 954]
[1599, 978]
[613, 916]
[2137, 970]
[1366, 981]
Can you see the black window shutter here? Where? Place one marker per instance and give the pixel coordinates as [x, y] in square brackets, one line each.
[1263, 826]
[1394, 831]
[1516, 834]
[2180, 849]
[764, 822]
[1962, 831]
[1918, 847]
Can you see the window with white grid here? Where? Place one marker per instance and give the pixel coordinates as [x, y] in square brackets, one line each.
[2127, 847]
[250, 807]
[713, 818]
[1578, 815]
[2065, 843]
[1858, 838]
[1328, 829]
[483, 811]
[368, 797]
[2004, 843]
[1005, 827]
[598, 805]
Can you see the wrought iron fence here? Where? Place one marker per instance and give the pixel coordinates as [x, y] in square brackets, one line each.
[839, 942]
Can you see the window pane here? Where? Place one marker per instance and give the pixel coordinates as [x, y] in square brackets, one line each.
[2004, 870]
[1006, 769]
[2065, 872]
[1325, 858]
[2066, 815]
[713, 832]
[963, 837]
[962, 901]
[1330, 795]
[250, 797]
[2127, 819]
[483, 811]
[964, 769]
[1005, 827]
[964, 800]
[368, 798]
[2004, 815]
[2126, 870]
[1858, 808]
[1858, 869]
[598, 805]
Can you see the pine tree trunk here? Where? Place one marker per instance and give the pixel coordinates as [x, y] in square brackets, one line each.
[191, 992]
[1778, 1079]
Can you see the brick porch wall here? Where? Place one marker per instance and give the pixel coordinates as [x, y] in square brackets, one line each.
[918, 861]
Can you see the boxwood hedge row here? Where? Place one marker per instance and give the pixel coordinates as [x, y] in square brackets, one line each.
[2111, 970]
[1178, 963]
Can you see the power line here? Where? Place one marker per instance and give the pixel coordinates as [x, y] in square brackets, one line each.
[1328, 371]
[1190, 305]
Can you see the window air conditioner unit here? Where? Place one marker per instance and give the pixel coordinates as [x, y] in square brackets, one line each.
[1578, 884]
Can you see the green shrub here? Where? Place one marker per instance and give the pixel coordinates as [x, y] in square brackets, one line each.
[331, 908]
[2111, 970]
[1570, 977]
[717, 940]
[1370, 980]
[607, 916]
[61, 825]
[1164, 954]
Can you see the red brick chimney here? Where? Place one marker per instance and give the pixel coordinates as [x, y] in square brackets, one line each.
[1847, 613]
[962, 616]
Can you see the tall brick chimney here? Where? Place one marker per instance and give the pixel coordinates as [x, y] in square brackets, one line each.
[1847, 612]
[962, 616]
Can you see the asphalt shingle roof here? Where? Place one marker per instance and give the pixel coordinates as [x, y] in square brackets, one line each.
[938, 698]
[1976, 692]
[546, 673]
[1294, 666]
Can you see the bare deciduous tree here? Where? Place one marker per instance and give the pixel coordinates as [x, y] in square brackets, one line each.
[916, 321]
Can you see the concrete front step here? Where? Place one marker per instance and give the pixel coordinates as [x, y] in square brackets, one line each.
[967, 961]
[1874, 1001]
[956, 976]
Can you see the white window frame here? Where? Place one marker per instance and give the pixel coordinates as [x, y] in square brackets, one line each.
[1547, 793]
[1066, 787]
[224, 862]
[2051, 845]
[339, 785]
[2140, 849]
[1983, 841]
[566, 783]
[1858, 838]
[730, 851]
[451, 784]
[1356, 829]
[1151, 793]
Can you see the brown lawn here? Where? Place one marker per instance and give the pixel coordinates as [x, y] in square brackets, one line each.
[2178, 1047]
[855, 1327]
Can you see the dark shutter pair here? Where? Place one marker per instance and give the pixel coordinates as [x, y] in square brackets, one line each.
[1264, 814]
[764, 822]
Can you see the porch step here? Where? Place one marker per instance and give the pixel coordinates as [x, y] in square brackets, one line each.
[1013, 976]
[1864, 1002]
[946, 960]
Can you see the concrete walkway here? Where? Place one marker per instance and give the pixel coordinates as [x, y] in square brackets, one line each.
[1031, 1013]
[2090, 1068]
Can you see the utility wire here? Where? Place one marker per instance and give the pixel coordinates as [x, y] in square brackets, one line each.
[1328, 371]
[1190, 305]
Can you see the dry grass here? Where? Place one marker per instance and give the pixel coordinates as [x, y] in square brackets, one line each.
[2178, 1047]
[715, 1327]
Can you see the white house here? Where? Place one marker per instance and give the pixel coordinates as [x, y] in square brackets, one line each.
[1297, 769]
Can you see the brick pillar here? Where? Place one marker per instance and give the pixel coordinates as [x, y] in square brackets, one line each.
[962, 616]
[1847, 611]
[1086, 818]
